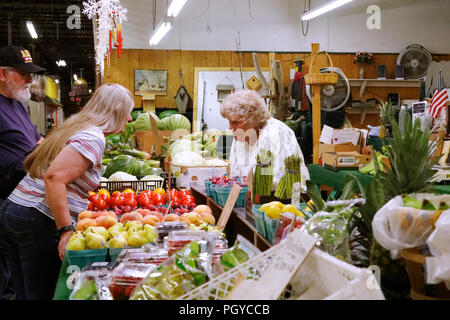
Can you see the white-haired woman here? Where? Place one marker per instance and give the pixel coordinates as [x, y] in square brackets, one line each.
[36, 221]
[254, 129]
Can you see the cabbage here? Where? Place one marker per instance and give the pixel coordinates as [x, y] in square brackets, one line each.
[143, 121]
[184, 145]
[123, 163]
[103, 179]
[152, 177]
[188, 158]
[122, 176]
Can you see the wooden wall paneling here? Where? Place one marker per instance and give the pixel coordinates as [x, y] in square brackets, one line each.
[225, 59]
[187, 63]
[212, 59]
[173, 82]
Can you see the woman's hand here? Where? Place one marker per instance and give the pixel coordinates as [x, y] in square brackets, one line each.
[62, 243]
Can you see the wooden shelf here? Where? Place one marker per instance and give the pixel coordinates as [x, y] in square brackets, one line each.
[393, 83]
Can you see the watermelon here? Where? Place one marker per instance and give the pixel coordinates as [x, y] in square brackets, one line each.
[177, 121]
[167, 113]
[143, 121]
[294, 126]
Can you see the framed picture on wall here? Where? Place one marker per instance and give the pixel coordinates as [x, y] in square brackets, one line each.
[150, 82]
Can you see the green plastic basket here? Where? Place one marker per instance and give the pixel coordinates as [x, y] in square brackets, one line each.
[259, 220]
[272, 226]
[113, 253]
[85, 257]
[208, 185]
[222, 194]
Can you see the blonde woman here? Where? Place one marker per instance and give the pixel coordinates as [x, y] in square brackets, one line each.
[36, 221]
[254, 129]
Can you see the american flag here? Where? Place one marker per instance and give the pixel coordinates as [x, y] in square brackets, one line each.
[440, 97]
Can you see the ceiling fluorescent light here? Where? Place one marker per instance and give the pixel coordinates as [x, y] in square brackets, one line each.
[75, 77]
[331, 5]
[175, 7]
[161, 31]
[31, 30]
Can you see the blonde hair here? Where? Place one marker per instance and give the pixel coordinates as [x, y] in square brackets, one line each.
[107, 110]
[245, 105]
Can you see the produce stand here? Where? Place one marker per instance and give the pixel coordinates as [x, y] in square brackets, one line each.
[238, 223]
[335, 179]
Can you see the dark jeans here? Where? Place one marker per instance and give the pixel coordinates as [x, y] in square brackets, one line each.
[29, 240]
[6, 286]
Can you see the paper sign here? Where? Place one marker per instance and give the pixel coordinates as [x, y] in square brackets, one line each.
[345, 135]
[327, 135]
[288, 258]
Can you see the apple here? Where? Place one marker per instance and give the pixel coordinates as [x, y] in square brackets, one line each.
[151, 220]
[106, 221]
[143, 212]
[85, 223]
[208, 218]
[171, 217]
[97, 214]
[131, 216]
[202, 208]
[191, 218]
[85, 214]
[157, 214]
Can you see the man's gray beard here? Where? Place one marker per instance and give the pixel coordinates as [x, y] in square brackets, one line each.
[22, 95]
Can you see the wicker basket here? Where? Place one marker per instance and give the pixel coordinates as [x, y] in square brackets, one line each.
[321, 78]
[415, 265]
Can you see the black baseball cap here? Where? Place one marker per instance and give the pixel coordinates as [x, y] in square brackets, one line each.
[19, 58]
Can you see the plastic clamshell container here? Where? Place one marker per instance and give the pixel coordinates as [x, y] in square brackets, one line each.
[126, 277]
[114, 253]
[163, 229]
[178, 239]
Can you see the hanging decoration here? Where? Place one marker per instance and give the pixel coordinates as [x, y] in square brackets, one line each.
[109, 14]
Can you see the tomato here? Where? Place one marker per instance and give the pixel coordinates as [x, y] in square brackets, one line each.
[128, 191]
[183, 192]
[105, 197]
[104, 191]
[144, 200]
[93, 197]
[158, 198]
[130, 195]
[175, 201]
[160, 203]
[101, 204]
[129, 201]
[173, 193]
[159, 191]
[117, 201]
[90, 206]
[188, 197]
[115, 193]
[186, 203]
[91, 193]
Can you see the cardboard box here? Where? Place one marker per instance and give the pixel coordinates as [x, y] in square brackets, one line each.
[187, 176]
[150, 142]
[345, 159]
[347, 147]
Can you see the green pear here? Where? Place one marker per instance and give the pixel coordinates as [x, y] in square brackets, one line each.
[95, 241]
[124, 235]
[134, 225]
[116, 229]
[193, 227]
[76, 235]
[99, 230]
[148, 227]
[151, 234]
[137, 239]
[77, 244]
[117, 242]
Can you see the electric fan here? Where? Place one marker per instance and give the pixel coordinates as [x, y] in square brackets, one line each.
[415, 60]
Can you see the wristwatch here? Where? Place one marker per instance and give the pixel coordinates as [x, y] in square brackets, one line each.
[65, 229]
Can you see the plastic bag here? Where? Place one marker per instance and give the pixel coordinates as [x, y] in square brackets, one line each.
[405, 221]
[182, 272]
[330, 227]
[439, 240]
[438, 270]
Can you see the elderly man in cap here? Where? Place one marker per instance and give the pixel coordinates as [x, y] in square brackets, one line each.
[18, 136]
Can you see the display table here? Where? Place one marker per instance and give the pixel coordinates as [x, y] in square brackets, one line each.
[335, 179]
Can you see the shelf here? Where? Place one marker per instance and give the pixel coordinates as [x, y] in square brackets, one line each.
[393, 83]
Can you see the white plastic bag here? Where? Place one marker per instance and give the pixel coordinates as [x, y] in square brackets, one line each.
[438, 270]
[398, 227]
[439, 240]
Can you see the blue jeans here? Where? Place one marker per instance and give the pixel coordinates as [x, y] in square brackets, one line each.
[29, 241]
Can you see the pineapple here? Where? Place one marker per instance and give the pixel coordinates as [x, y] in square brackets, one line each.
[387, 114]
[410, 171]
